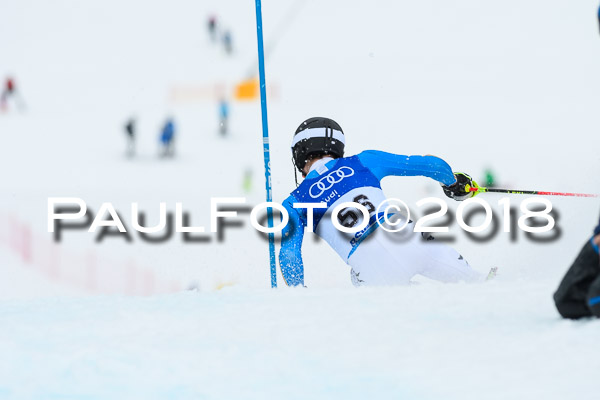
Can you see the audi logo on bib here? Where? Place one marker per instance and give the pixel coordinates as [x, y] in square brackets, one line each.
[327, 182]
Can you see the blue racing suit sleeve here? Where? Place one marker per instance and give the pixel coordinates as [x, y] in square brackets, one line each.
[383, 164]
[290, 255]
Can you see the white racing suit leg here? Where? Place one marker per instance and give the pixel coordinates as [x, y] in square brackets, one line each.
[394, 258]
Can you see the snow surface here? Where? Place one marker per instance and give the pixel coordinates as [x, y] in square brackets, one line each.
[512, 86]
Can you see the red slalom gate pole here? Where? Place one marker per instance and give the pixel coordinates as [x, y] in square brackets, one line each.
[534, 192]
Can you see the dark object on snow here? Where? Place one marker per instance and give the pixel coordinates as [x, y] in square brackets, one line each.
[130, 128]
[130, 131]
[578, 294]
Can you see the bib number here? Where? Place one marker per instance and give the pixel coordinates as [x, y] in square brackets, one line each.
[349, 216]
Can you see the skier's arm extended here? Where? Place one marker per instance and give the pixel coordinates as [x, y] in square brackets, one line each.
[383, 164]
[290, 255]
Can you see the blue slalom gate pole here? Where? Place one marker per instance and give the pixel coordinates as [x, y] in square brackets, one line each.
[265, 128]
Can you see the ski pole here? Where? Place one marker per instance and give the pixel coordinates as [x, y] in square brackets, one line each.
[266, 152]
[535, 192]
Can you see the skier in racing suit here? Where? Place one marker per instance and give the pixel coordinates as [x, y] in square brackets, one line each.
[376, 255]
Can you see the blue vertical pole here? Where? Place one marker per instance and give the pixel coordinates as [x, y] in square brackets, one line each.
[265, 127]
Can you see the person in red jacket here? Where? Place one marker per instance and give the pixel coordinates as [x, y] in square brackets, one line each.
[9, 91]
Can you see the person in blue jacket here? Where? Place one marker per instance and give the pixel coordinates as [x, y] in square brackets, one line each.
[167, 138]
[578, 294]
[376, 255]
[223, 116]
[228, 42]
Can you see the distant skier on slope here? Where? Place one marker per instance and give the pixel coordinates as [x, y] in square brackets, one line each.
[377, 257]
[10, 91]
[167, 138]
[130, 132]
[212, 27]
[228, 42]
[223, 116]
[578, 294]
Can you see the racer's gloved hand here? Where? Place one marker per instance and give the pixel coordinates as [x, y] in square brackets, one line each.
[461, 189]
